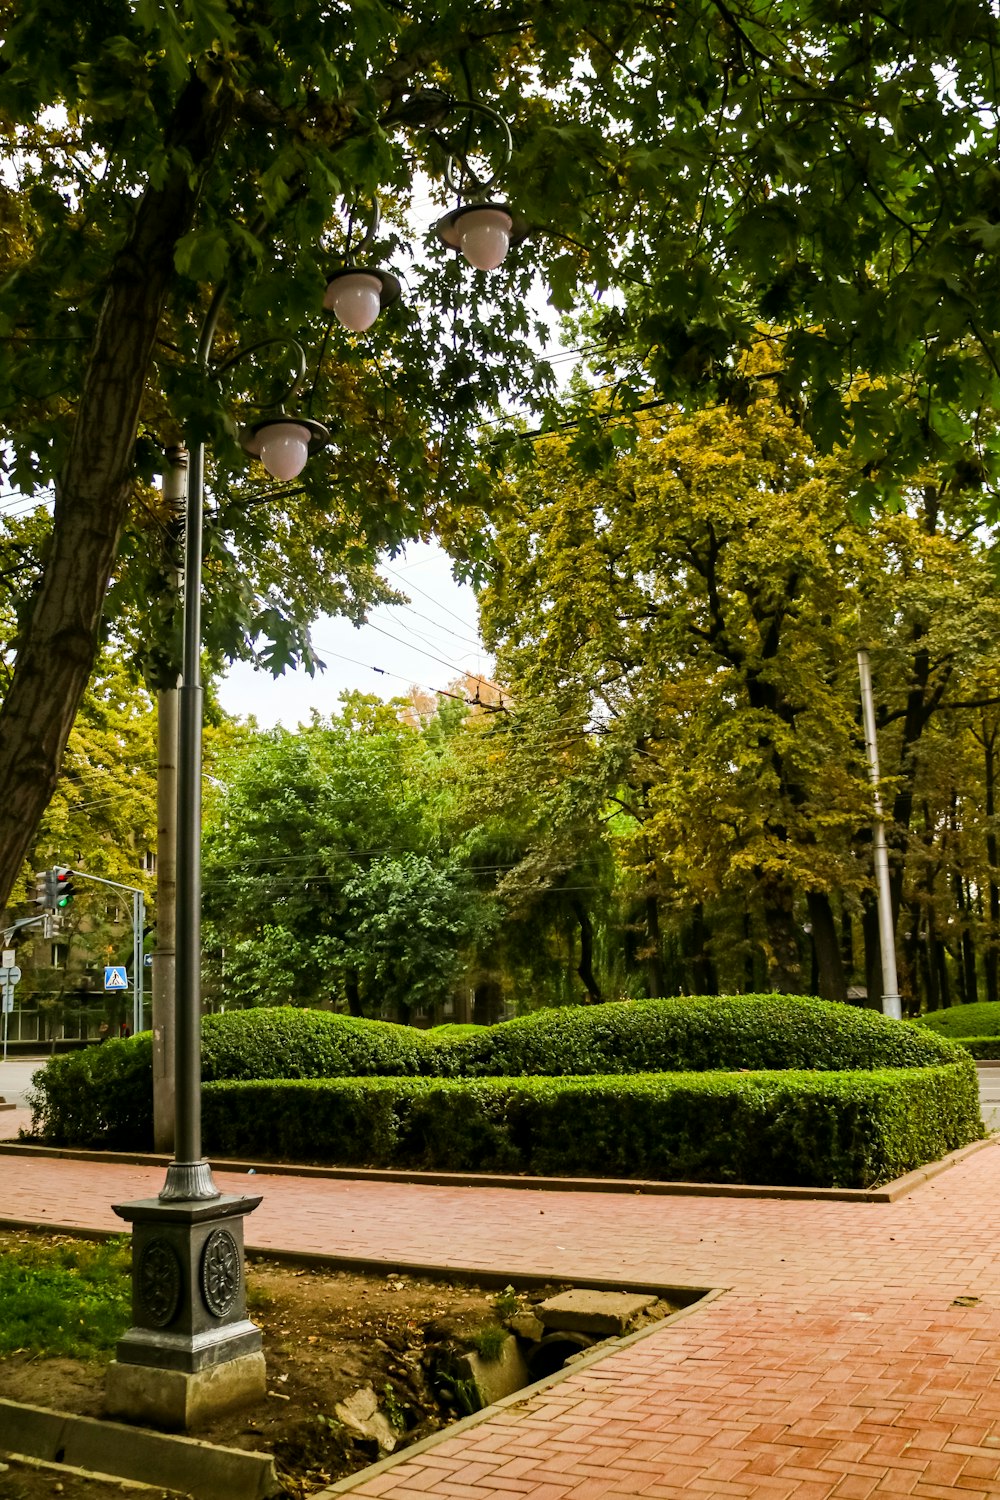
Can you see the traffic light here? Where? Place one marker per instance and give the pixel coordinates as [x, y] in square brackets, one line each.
[63, 884]
[45, 889]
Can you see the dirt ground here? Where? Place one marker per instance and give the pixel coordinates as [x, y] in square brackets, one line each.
[327, 1336]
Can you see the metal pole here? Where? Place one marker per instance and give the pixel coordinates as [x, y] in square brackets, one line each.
[138, 922]
[165, 954]
[891, 1004]
[189, 1175]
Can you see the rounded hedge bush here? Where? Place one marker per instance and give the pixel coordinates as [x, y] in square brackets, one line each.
[697, 1035]
[979, 1020]
[103, 1096]
[285, 1042]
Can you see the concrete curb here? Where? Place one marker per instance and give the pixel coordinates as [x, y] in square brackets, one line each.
[455, 1429]
[63, 1471]
[887, 1193]
[112, 1450]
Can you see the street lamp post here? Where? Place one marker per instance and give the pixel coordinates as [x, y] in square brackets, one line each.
[191, 1352]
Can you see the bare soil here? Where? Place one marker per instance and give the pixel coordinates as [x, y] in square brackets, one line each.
[327, 1335]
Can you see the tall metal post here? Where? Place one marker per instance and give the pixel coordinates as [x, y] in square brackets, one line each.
[891, 1003]
[165, 952]
[189, 1176]
[191, 1352]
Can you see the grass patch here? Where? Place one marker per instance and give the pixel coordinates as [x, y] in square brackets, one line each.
[489, 1341]
[69, 1298]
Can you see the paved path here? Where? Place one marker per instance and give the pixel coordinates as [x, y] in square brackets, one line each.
[855, 1352]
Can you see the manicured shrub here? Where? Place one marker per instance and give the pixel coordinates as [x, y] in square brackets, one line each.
[961, 1021]
[285, 1042]
[983, 1047]
[103, 1096]
[847, 1129]
[100, 1097]
[746, 1031]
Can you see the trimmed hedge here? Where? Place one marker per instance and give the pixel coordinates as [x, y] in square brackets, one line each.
[984, 1047]
[697, 1035]
[796, 1128]
[284, 1042]
[960, 1021]
[103, 1097]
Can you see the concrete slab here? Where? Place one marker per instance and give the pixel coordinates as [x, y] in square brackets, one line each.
[600, 1313]
[178, 1400]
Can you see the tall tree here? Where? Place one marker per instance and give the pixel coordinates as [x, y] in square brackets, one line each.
[825, 168]
[327, 878]
[690, 619]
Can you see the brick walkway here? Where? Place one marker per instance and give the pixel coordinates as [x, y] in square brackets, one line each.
[837, 1364]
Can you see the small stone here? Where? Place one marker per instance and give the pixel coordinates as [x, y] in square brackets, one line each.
[526, 1326]
[360, 1415]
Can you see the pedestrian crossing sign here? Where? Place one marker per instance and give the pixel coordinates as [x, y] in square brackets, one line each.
[115, 977]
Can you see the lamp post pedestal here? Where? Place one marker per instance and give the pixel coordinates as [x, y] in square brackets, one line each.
[192, 1353]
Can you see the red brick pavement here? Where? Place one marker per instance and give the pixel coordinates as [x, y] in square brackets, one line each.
[836, 1366]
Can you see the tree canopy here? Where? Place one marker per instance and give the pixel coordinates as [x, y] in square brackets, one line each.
[328, 879]
[821, 174]
[679, 636]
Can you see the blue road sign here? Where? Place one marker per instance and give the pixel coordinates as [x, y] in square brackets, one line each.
[115, 977]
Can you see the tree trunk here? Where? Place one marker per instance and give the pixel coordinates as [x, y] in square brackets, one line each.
[783, 962]
[352, 990]
[585, 968]
[656, 982]
[749, 969]
[873, 952]
[58, 646]
[912, 954]
[847, 940]
[971, 982]
[968, 988]
[940, 953]
[831, 980]
[705, 979]
[992, 957]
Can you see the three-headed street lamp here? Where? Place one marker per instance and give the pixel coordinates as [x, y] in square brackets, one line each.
[191, 1352]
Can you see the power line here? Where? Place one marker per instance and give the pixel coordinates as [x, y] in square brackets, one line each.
[417, 590]
[466, 639]
[462, 671]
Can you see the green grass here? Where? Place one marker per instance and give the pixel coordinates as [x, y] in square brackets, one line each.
[489, 1341]
[69, 1298]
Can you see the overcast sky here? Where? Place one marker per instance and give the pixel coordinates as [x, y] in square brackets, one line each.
[428, 643]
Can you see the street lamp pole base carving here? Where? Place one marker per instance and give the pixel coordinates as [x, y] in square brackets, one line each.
[189, 1321]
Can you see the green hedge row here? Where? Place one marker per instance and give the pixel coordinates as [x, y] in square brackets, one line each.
[796, 1128]
[102, 1097]
[985, 1047]
[695, 1035]
[960, 1021]
[286, 1042]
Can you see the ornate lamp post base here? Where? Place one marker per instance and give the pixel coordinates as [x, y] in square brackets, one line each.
[191, 1353]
